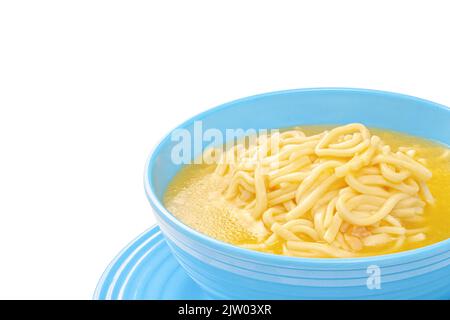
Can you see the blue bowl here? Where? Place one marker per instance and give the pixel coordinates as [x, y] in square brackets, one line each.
[229, 272]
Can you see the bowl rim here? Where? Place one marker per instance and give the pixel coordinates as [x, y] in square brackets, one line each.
[269, 258]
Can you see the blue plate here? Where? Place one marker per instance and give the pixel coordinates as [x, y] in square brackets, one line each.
[144, 270]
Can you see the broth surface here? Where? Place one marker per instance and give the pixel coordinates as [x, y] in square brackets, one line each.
[194, 197]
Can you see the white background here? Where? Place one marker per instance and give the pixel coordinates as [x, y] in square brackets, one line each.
[88, 87]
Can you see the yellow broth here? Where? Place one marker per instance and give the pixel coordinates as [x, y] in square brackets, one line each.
[194, 197]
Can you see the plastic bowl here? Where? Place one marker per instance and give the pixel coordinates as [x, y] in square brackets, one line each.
[229, 272]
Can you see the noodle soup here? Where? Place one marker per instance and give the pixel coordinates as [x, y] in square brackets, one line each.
[322, 192]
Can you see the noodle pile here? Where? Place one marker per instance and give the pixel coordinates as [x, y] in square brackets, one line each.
[333, 194]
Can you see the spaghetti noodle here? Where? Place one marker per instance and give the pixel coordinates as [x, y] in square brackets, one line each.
[331, 194]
